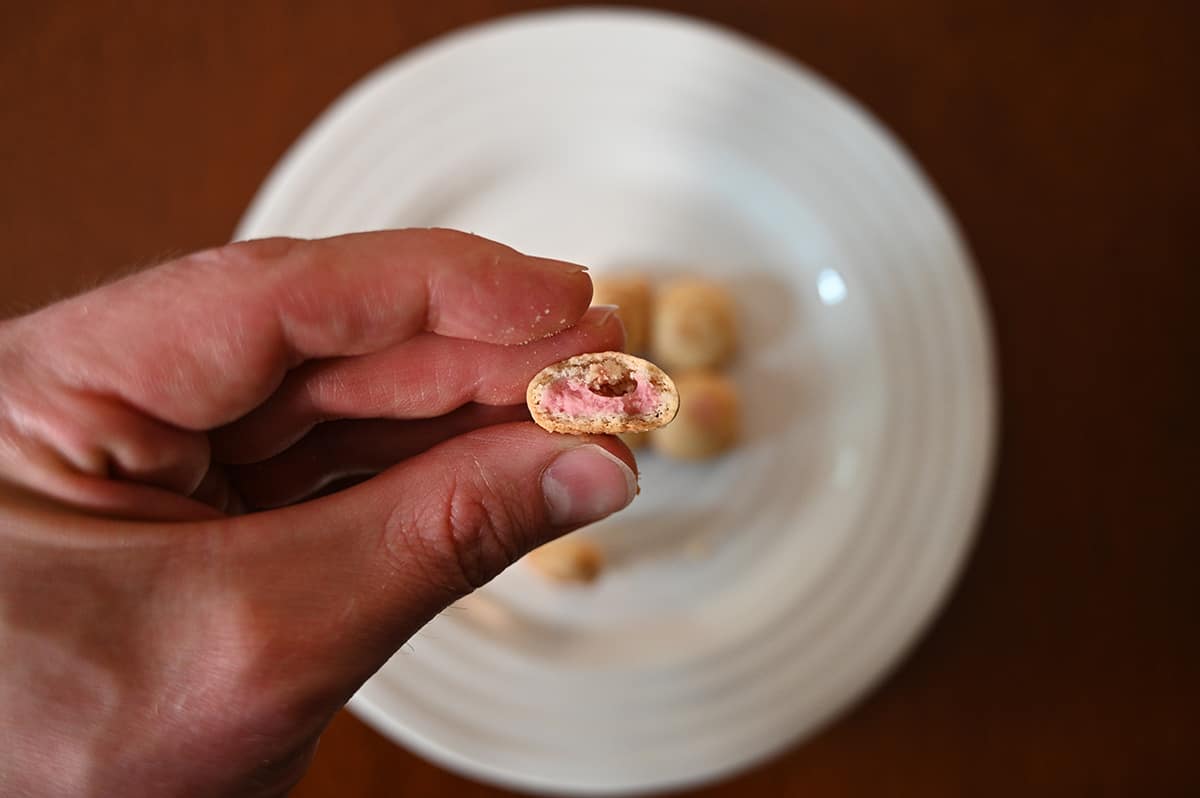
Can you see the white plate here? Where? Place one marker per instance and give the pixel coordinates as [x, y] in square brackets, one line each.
[753, 598]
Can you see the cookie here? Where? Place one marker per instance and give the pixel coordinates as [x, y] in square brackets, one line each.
[568, 559]
[695, 325]
[631, 294]
[602, 393]
[709, 420]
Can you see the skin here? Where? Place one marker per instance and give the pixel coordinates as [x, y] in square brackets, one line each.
[180, 613]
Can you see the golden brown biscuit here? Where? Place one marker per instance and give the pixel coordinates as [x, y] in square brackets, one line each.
[602, 392]
[568, 559]
[631, 294]
[708, 422]
[695, 325]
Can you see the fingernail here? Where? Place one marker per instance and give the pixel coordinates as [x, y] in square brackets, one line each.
[599, 314]
[585, 484]
[563, 265]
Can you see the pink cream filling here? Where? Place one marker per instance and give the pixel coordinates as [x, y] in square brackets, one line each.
[573, 398]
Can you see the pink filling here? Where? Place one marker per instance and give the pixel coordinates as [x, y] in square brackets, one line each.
[574, 398]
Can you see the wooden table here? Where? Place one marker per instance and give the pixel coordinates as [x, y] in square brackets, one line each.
[1066, 136]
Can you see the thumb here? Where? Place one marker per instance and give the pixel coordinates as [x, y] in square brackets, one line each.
[367, 567]
[458, 515]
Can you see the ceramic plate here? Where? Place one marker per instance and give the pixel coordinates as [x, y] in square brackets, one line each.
[752, 598]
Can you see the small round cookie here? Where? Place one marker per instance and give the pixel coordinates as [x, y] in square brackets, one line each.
[631, 294]
[694, 325]
[602, 393]
[568, 559]
[633, 298]
[708, 422]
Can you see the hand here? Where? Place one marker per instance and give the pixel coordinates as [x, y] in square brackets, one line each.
[175, 617]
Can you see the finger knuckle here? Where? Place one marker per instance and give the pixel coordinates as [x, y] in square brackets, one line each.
[466, 536]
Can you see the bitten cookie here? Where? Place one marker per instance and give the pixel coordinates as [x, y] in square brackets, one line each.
[695, 325]
[631, 294]
[602, 393]
[708, 421]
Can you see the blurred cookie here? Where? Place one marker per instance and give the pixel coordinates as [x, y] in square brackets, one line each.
[634, 440]
[694, 325]
[709, 418]
[568, 559]
[633, 298]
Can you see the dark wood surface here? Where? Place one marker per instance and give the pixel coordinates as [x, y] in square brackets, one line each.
[1066, 136]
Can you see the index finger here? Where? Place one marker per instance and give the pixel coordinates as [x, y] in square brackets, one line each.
[200, 341]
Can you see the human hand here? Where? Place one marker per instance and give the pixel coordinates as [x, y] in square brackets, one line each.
[175, 617]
